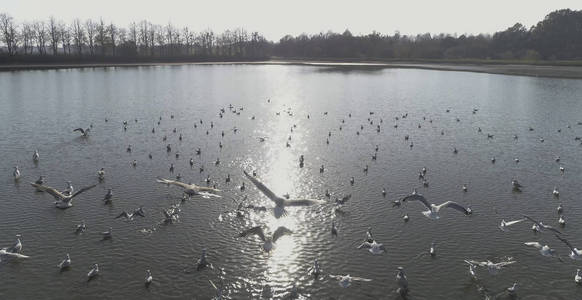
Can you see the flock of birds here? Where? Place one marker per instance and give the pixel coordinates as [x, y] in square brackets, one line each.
[64, 200]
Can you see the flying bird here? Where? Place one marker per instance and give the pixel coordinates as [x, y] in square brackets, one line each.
[191, 189]
[84, 132]
[346, 280]
[269, 241]
[280, 202]
[63, 200]
[433, 210]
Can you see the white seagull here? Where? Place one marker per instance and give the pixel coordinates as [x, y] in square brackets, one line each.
[35, 156]
[577, 277]
[64, 200]
[575, 253]
[540, 226]
[269, 241]
[433, 210]
[13, 251]
[93, 272]
[280, 202]
[66, 263]
[492, 267]
[16, 173]
[545, 250]
[373, 247]
[149, 278]
[84, 132]
[504, 224]
[191, 189]
[101, 174]
[346, 280]
[402, 281]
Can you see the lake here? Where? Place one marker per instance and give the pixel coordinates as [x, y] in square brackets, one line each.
[40, 109]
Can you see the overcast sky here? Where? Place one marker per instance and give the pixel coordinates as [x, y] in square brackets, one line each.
[276, 18]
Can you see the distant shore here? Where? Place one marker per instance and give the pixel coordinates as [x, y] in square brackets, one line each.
[538, 69]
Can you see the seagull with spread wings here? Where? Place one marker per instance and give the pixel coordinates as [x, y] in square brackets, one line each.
[575, 253]
[269, 241]
[540, 226]
[492, 267]
[280, 202]
[433, 210]
[63, 200]
[191, 189]
[346, 280]
[84, 132]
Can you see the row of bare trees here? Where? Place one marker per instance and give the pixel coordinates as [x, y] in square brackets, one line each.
[140, 39]
[557, 37]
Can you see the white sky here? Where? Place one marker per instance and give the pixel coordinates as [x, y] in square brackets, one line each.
[276, 18]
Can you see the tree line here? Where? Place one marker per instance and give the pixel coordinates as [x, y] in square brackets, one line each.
[91, 39]
[557, 37]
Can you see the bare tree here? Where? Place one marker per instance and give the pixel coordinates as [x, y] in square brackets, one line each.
[152, 35]
[40, 34]
[27, 37]
[133, 34]
[101, 37]
[54, 34]
[169, 38]
[206, 38]
[113, 37]
[159, 38]
[144, 35]
[78, 36]
[188, 37]
[65, 35]
[9, 33]
[91, 29]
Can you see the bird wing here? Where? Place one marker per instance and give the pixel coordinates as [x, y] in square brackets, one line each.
[534, 244]
[344, 199]
[257, 230]
[80, 130]
[54, 192]
[548, 227]
[365, 245]
[302, 202]
[139, 212]
[82, 190]
[204, 189]
[369, 235]
[122, 214]
[262, 188]
[279, 232]
[361, 279]
[514, 222]
[17, 255]
[454, 205]
[476, 263]
[417, 197]
[565, 242]
[213, 285]
[174, 182]
[534, 221]
[505, 263]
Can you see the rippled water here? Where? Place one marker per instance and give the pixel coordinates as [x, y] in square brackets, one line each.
[39, 109]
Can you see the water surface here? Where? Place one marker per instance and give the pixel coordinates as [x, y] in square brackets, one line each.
[39, 110]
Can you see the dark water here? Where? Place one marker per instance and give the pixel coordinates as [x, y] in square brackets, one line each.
[39, 109]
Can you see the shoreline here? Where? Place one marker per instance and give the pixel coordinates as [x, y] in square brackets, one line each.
[515, 69]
